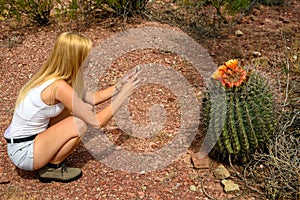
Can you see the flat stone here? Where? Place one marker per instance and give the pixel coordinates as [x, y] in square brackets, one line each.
[268, 21]
[230, 186]
[200, 162]
[3, 179]
[221, 172]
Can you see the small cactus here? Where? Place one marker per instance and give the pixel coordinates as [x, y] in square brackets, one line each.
[249, 119]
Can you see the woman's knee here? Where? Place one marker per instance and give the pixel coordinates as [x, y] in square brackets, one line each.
[81, 126]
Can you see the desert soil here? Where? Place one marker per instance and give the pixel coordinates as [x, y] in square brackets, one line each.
[267, 30]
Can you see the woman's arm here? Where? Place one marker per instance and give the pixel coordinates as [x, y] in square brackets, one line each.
[66, 95]
[107, 113]
[103, 95]
[100, 96]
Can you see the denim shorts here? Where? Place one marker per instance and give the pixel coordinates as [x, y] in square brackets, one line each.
[21, 154]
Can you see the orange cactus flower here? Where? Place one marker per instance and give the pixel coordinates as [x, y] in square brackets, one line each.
[230, 74]
[232, 64]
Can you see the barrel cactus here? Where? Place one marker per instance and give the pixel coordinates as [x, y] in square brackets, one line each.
[249, 118]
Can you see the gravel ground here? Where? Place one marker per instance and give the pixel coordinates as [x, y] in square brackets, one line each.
[176, 181]
[23, 54]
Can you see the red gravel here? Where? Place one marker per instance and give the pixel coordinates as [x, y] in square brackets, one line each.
[22, 55]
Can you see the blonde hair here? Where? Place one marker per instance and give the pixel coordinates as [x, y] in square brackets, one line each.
[70, 51]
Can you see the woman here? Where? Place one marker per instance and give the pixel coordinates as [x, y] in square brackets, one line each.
[43, 133]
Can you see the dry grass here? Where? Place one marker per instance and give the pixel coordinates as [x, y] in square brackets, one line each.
[276, 172]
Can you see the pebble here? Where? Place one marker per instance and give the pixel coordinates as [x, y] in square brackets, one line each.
[295, 57]
[256, 54]
[221, 172]
[199, 162]
[238, 33]
[193, 188]
[230, 186]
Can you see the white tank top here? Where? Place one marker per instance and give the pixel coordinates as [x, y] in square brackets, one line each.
[32, 115]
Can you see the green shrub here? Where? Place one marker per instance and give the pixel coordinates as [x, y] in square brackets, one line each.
[239, 6]
[232, 7]
[78, 9]
[272, 2]
[39, 10]
[36, 10]
[125, 7]
[2, 8]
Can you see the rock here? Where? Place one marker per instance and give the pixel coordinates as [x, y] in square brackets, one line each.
[186, 158]
[153, 145]
[174, 7]
[3, 178]
[200, 162]
[115, 132]
[193, 188]
[230, 186]
[295, 57]
[256, 11]
[256, 54]
[268, 21]
[253, 18]
[221, 172]
[108, 8]
[284, 20]
[141, 194]
[238, 33]
[262, 61]
[118, 148]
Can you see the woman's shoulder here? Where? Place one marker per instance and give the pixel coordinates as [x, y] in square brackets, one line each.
[62, 83]
[62, 87]
[52, 89]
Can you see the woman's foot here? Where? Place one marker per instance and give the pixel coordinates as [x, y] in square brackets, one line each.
[59, 173]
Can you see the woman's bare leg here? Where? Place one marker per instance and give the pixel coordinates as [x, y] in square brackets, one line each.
[70, 146]
[58, 141]
[66, 150]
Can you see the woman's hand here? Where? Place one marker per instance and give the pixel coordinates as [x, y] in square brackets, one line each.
[131, 84]
[127, 89]
[130, 75]
[127, 78]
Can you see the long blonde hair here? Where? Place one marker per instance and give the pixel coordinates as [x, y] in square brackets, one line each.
[70, 51]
